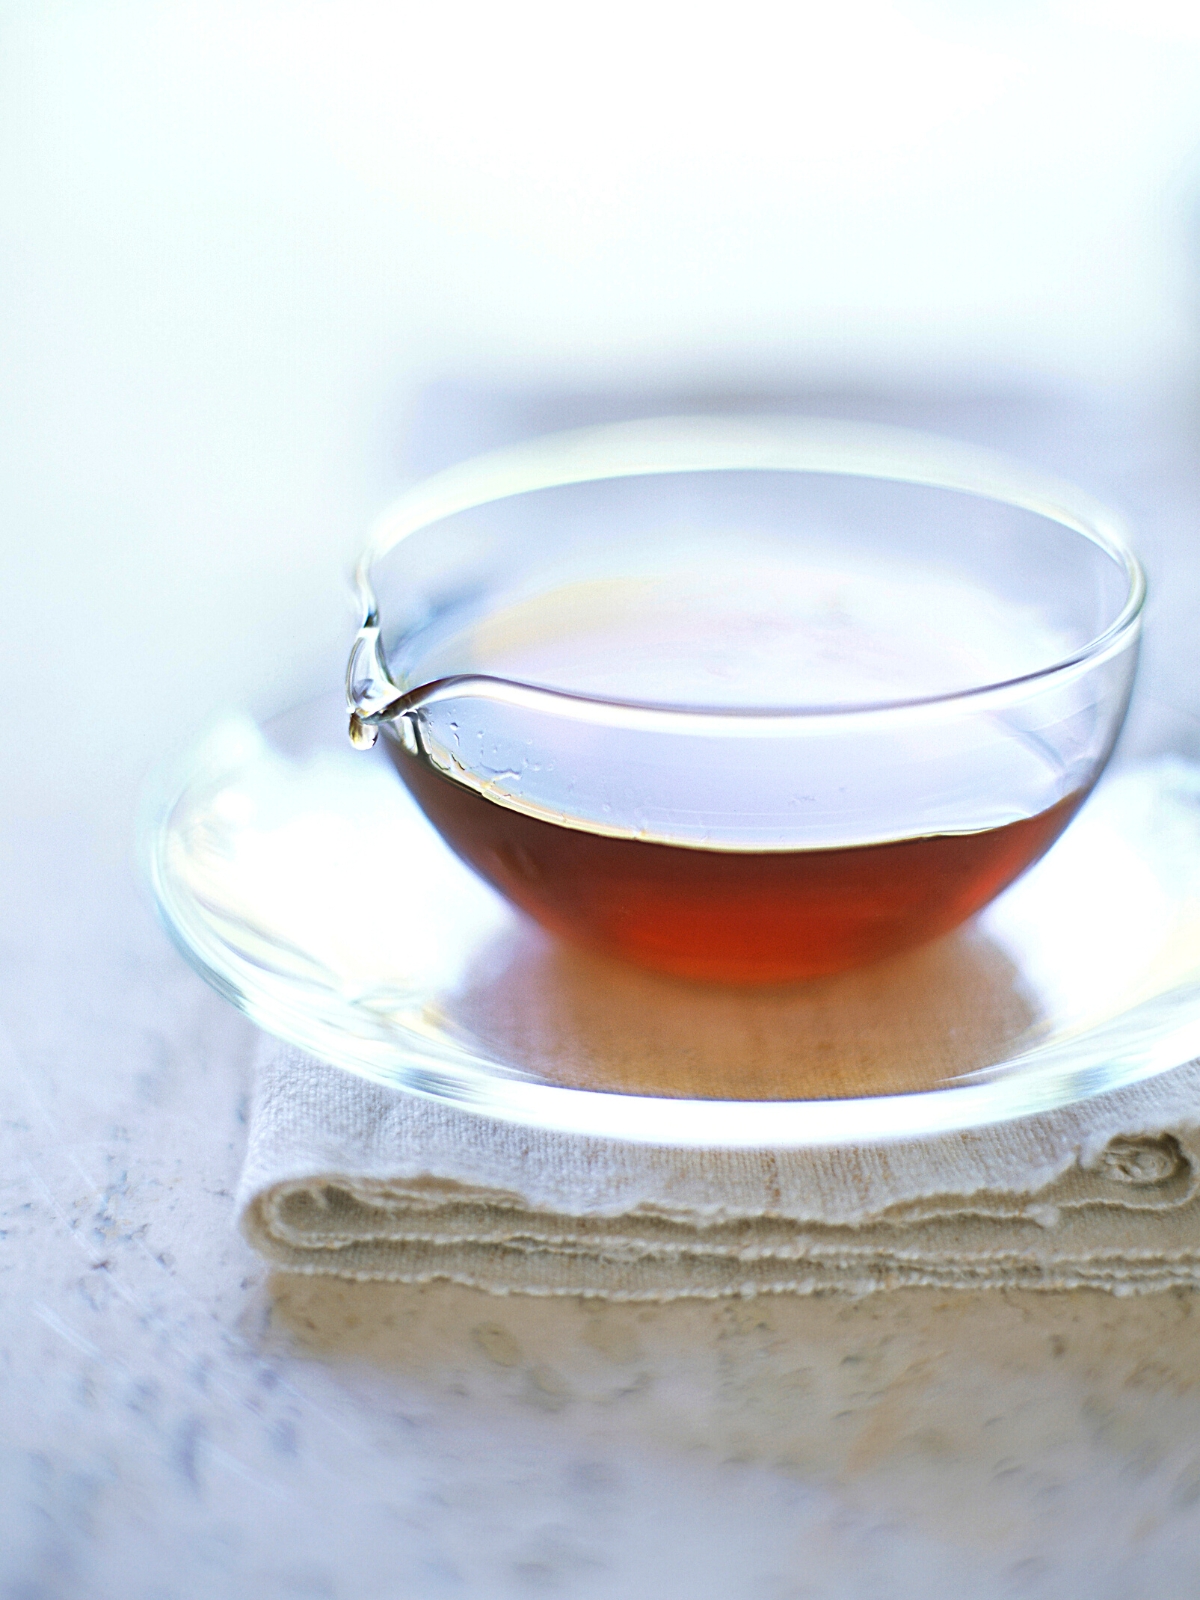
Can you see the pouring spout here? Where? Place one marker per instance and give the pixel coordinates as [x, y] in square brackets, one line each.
[371, 692]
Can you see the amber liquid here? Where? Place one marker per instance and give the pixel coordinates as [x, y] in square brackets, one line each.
[730, 916]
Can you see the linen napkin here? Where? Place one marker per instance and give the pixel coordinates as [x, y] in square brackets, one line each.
[347, 1178]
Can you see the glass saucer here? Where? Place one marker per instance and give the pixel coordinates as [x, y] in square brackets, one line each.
[300, 879]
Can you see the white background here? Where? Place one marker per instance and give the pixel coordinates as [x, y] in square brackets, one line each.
[236, 241]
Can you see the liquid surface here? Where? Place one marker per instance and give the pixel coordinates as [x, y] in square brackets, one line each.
[758, 635]
[728, 915]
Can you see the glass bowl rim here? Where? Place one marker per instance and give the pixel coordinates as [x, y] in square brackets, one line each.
[661, 446]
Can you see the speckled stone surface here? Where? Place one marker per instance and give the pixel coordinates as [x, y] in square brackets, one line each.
[178, 1421]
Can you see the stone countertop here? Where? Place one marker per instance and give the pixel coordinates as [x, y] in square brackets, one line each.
[179, 1421]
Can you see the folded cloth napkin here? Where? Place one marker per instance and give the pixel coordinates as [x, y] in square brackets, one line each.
[347, 1178]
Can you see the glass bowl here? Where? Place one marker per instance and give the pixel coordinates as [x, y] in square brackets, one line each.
[746, 700]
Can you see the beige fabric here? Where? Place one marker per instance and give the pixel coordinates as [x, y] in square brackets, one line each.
[347, 1178]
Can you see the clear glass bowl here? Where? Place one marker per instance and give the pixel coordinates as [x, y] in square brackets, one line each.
[746, 700]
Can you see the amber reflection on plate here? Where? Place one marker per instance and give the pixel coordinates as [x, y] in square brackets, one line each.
[919, 1021]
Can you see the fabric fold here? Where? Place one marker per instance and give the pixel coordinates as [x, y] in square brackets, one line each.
[349, 1178]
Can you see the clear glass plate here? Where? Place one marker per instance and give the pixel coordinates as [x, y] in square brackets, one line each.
[300, 879]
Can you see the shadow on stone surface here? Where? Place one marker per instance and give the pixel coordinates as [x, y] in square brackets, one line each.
[944, 1403]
